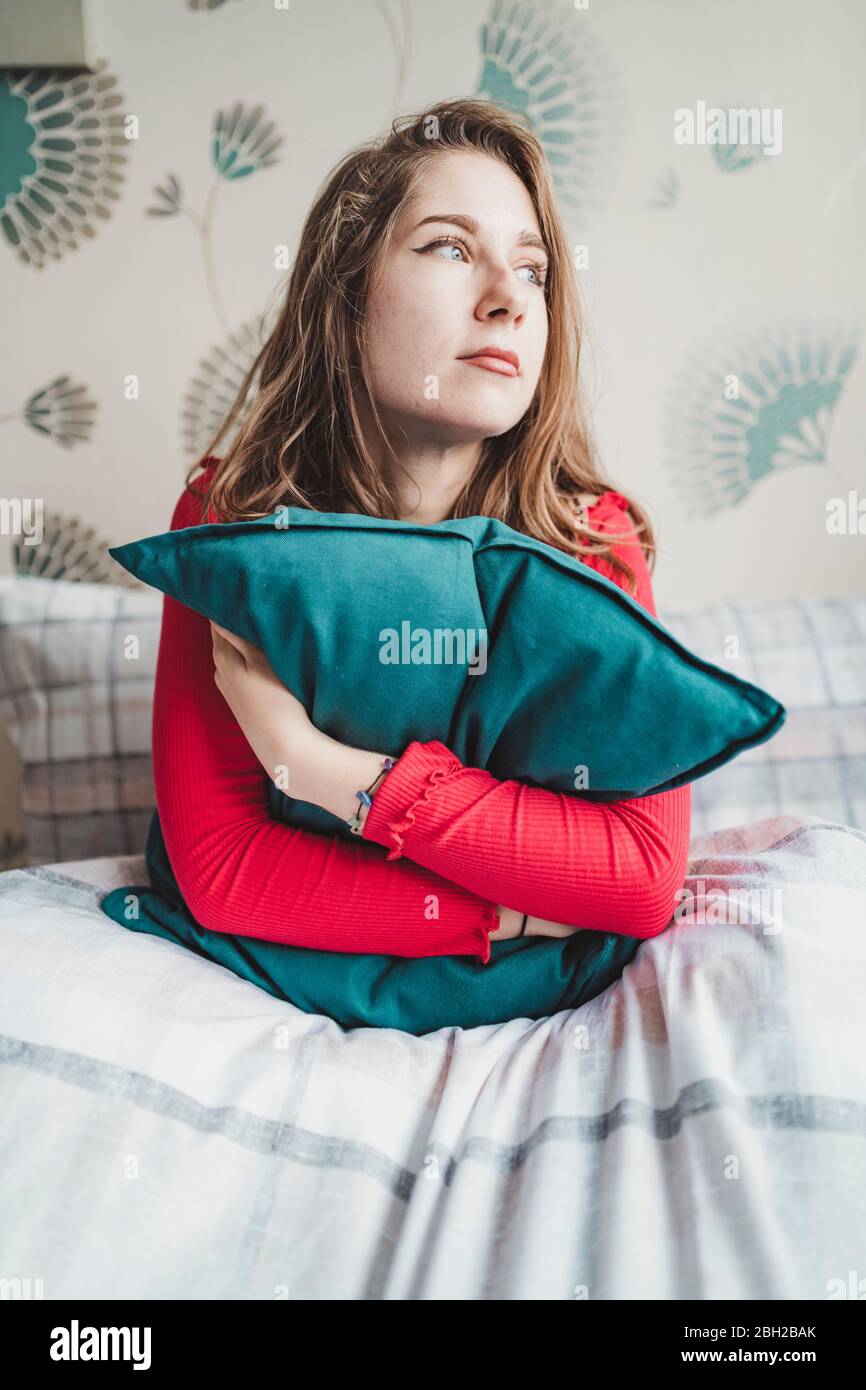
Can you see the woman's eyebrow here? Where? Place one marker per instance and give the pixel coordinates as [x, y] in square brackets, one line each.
[469, 224]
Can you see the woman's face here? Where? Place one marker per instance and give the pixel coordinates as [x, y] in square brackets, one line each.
[449, 290]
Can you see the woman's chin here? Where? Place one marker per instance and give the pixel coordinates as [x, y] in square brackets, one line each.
[474, 423]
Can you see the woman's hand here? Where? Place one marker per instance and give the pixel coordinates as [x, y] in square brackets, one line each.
[300, 759]
[274, 721]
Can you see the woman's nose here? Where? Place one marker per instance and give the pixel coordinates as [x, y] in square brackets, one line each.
[503, 298]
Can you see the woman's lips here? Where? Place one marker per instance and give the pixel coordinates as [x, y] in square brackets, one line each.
[492, 364]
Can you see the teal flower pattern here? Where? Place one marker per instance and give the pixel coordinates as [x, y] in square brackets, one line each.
[62, 155]
[242, 142]
[735, 155]
[543, 63]
[62, 410]
[169, 198]
[70, 550]
[784, 387]
[667, 191]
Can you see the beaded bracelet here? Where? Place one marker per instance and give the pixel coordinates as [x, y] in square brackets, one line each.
[355, 823]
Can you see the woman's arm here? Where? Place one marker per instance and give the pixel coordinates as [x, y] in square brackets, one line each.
[323, 771]
[240, 871]
[612, 866]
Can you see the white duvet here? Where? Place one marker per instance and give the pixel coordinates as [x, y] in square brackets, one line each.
[698, 1131]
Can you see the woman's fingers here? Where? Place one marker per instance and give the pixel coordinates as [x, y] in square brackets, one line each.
[227, 645]
[223, 632]
[248, 650]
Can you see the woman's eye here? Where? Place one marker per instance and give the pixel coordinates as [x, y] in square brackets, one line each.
[538, 270]
[451, 244]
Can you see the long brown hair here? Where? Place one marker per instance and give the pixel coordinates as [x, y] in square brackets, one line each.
[300, 442]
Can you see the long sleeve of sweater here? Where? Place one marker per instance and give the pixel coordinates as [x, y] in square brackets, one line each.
[458, 840]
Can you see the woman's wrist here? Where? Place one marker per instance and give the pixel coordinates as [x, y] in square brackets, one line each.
[541, 926]
[510, 924]
[328, 773]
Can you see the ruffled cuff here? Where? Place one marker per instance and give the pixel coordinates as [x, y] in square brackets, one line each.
[490, 923]
[399, 796]
[404, 789]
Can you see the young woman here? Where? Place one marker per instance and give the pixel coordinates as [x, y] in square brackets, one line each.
[424, 366]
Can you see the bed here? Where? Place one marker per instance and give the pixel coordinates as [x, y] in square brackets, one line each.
[698, 1131]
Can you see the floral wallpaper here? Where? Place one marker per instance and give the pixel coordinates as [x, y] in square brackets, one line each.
[149, 209]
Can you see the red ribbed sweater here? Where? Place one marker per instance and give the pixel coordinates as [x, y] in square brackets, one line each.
[459, 841]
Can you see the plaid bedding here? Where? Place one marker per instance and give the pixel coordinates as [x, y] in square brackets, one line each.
[77, 698]
[698, 1131]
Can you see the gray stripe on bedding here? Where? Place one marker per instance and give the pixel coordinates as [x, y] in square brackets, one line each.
[254, 1132]
[29, 885]
[782, 1110]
